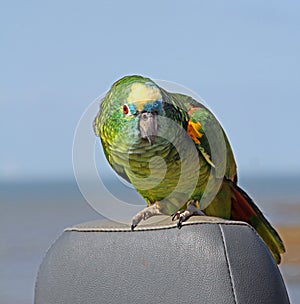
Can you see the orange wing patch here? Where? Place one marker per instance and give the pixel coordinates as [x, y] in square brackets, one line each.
[193, 130]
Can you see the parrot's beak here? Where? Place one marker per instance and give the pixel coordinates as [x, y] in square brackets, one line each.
[148, 126]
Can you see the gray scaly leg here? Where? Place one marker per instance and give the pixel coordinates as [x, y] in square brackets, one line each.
[145, 214]
[182, 216]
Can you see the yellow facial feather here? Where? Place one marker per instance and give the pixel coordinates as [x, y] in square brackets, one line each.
[141, 93]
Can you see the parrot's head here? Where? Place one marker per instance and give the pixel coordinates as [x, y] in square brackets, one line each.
[131, 109]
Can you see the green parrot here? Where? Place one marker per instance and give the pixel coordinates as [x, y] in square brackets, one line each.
[173, 150]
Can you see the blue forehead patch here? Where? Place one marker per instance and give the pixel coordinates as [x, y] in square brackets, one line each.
[155, 106]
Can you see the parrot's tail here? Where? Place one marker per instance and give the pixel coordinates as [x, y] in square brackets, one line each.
[244, 209]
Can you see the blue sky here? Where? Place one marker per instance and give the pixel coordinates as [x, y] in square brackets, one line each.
[242, 57]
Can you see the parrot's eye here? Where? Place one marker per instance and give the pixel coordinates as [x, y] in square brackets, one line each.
[126, 109]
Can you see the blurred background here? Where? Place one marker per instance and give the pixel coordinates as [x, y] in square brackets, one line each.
[56, 57]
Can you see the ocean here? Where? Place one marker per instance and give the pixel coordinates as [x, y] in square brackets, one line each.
[34, 214]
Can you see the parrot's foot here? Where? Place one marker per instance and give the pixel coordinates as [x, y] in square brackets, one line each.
[191, 210]
[145, 214]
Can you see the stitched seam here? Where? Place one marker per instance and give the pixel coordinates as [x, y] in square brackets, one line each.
[140, 229]
[228, 264]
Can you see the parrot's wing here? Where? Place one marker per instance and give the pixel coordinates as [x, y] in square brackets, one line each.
[209, 137]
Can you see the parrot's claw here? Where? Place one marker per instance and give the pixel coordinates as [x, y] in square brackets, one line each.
[145, 214]
[176, 215]
[182, 216]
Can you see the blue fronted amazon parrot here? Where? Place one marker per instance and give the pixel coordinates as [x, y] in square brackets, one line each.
[172, 149]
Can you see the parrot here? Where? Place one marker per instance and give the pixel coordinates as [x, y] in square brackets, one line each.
[175, 153]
